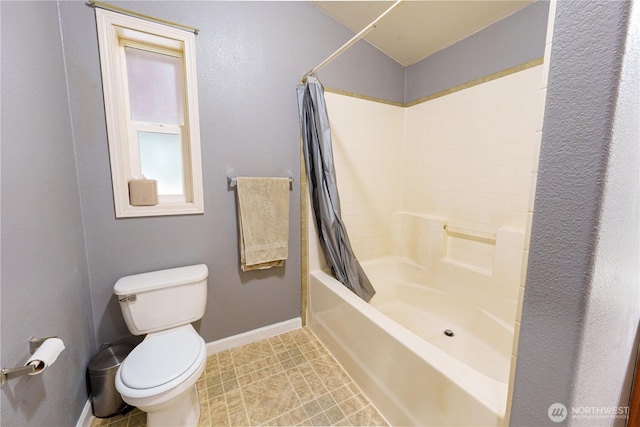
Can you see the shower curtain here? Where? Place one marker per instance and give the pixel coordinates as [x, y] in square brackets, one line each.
[318, 155]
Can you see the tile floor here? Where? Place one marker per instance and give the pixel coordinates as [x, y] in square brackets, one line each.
[287, 380]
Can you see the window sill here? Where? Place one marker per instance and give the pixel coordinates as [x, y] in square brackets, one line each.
[161, 209]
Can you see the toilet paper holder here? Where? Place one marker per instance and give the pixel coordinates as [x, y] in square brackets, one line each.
[7, 374]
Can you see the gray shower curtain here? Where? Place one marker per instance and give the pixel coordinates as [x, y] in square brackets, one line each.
[318, 155]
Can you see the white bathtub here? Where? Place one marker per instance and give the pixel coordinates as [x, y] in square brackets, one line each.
[396, 350]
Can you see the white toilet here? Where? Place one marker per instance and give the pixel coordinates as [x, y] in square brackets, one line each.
[160, 374]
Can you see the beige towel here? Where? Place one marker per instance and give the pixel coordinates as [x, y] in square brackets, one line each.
[263, 219]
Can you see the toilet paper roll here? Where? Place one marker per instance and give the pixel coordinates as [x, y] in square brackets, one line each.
[45, 355]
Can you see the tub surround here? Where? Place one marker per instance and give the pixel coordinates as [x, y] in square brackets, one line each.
[446, 185]
[468, 159]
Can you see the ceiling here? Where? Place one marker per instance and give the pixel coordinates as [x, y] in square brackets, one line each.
[417, 29]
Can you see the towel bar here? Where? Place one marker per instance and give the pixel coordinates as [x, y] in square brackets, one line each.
[232, 182]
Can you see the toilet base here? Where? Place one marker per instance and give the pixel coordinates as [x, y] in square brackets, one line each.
[184, 411]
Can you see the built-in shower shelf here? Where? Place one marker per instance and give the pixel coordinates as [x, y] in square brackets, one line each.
[466, 266]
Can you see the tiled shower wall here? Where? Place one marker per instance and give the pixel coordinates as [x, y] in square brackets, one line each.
[469, 157]
[367, 149]
[367, 146]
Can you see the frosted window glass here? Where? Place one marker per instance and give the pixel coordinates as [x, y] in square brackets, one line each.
[161, 159]
[155, 86]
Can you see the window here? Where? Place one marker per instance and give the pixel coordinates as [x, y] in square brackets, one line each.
[151, 105]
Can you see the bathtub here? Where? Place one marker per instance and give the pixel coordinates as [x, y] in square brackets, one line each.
[396, 350]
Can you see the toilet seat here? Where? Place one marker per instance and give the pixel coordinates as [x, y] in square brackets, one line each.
[162, 361]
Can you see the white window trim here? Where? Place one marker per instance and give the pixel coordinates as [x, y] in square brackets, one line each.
[112, 27]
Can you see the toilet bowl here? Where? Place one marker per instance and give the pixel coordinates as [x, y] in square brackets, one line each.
[159, 375]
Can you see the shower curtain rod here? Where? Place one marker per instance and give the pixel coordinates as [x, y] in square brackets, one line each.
[351, 42]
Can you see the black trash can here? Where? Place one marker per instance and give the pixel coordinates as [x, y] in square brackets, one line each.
[103, 366]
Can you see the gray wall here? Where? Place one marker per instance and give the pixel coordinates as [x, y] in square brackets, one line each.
[582, 299]
[58, 270]
[44, 280]
[250, 57]
[613, 308]
[513, 41]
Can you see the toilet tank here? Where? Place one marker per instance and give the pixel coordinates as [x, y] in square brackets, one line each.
[164, 299]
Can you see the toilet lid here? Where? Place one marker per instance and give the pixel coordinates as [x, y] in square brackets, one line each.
[160, 358]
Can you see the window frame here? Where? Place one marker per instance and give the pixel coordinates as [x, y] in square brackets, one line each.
[115, 32]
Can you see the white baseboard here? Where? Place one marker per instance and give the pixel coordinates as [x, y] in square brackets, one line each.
[86, 417]
[253, 336]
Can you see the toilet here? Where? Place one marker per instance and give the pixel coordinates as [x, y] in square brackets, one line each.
[159, 375]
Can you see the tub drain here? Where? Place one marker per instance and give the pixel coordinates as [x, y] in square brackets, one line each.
[449, 332]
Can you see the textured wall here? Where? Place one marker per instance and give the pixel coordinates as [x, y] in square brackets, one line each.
[250, 57]
[613, 308]
[581, 304]
[513, 41]
[44, 271]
